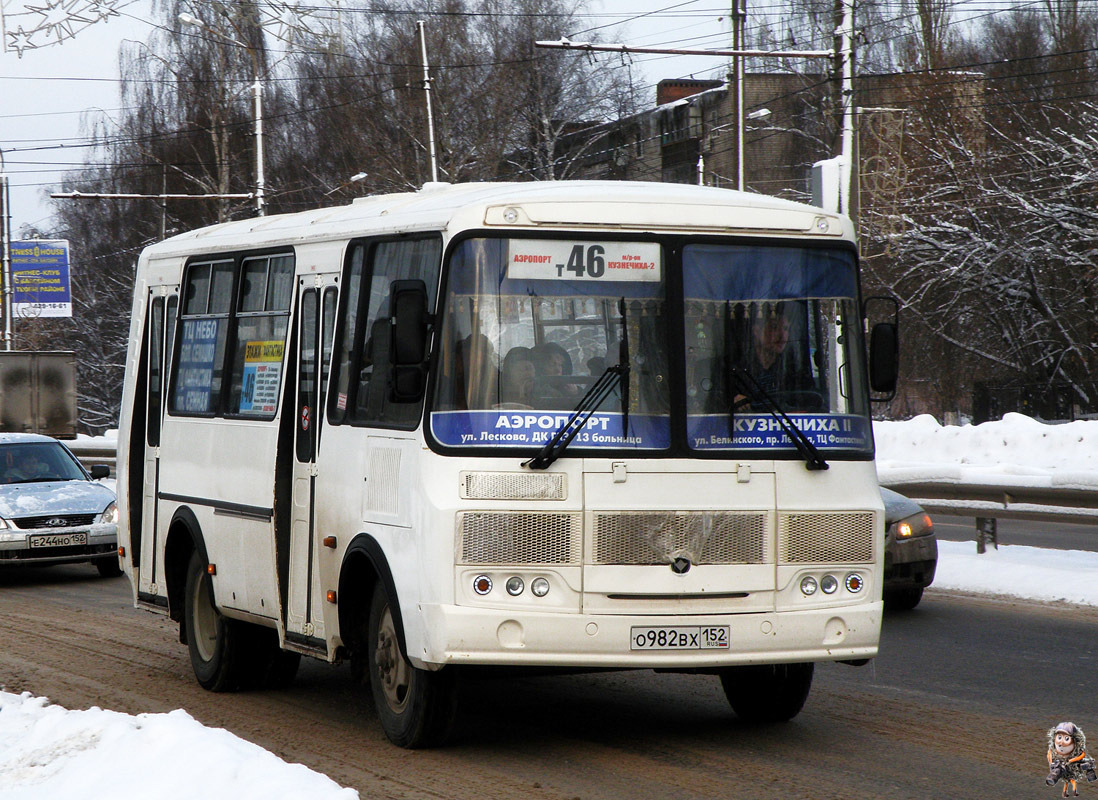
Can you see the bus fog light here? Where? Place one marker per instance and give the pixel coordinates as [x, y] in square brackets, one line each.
[854, 582]
[829, 584]
[482, 584]
[808, 585]
[515, 586]
[540, 587]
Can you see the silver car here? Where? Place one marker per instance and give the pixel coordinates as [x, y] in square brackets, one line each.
[52, 510]
[911, 551]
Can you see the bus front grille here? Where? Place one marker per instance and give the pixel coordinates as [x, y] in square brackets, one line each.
[807, 537]
[490, 537]
[658, 537]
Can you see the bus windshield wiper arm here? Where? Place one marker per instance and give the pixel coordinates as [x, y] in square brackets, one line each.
[560, 440]
[752, 388]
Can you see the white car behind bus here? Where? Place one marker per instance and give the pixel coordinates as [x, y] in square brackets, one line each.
[52, 510]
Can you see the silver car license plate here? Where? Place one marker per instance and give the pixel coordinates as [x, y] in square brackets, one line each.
[57, 539]
[703, 637]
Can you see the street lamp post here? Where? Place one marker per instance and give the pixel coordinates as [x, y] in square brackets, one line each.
[5, 245]
[257, 89]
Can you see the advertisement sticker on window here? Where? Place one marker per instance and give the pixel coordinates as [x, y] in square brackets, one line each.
[197, 353]
[262, 371]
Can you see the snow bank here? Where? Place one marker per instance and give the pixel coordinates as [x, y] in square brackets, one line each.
[1014, 451]
[1032, 573]
[48, 752]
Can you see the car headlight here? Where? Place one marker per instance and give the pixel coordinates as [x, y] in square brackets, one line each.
[915, 525]
[109, 515]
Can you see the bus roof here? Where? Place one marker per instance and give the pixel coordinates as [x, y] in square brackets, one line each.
[620, 205]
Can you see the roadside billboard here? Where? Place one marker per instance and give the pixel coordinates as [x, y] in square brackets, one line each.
[40, 278]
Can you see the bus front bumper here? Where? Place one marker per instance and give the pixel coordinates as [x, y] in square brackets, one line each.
[464, 635]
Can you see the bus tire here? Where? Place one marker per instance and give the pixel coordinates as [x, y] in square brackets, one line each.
[217, 645]
[767, 692]
[416, 707]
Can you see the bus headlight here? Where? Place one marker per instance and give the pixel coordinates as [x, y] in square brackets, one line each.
[540, 587]
[482, 584]
[808, 585]
[829, 584]
[854, 583]
[515, 586]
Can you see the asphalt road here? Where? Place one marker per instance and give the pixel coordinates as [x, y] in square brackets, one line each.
[956, 705]
[1056, 535]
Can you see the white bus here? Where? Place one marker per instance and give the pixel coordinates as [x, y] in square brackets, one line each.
[569, 425]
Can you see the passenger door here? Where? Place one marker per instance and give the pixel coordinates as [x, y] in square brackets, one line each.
[316, 321]
[163, 308]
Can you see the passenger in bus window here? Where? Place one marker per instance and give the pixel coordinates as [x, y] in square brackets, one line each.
[516, 379]
[552, 363]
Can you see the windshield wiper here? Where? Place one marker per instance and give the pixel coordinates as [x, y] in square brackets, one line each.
[744, 380]
[587, 405]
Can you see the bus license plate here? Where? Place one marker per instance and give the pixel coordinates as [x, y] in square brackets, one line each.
[710, 637]
[58, 539]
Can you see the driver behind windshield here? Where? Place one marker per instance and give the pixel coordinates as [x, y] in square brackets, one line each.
[772, 364]
[27, 467]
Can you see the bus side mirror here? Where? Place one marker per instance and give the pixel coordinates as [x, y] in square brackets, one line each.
[99, 471]
[411, 325]
[884, 358]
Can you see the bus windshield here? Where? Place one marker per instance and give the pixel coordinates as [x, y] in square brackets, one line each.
[772, 328]
[528, 325]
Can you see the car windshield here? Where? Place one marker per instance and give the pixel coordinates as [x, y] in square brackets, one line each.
[38, 462]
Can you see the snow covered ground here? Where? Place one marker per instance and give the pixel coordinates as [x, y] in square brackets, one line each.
[48, 752]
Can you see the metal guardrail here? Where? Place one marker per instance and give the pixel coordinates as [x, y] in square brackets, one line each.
[1000, 501]
[94, 454]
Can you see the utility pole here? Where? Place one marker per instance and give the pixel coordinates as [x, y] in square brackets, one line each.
[427, 93]
[844, 54]
[260, 181]
[5, 243]
[739, 23]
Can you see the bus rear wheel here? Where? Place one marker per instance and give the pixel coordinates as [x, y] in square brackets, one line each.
[416, 707]
[767, 692]
[217, 644]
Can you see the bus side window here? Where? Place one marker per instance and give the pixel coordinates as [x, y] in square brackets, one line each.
[262, 321]
[371, 368]
[197, 365]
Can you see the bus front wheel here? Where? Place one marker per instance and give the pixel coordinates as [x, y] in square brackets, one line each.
[216, 644]
[767, 692]
[416, 707]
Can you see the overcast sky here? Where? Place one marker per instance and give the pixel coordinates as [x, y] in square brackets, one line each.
[53, 95]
